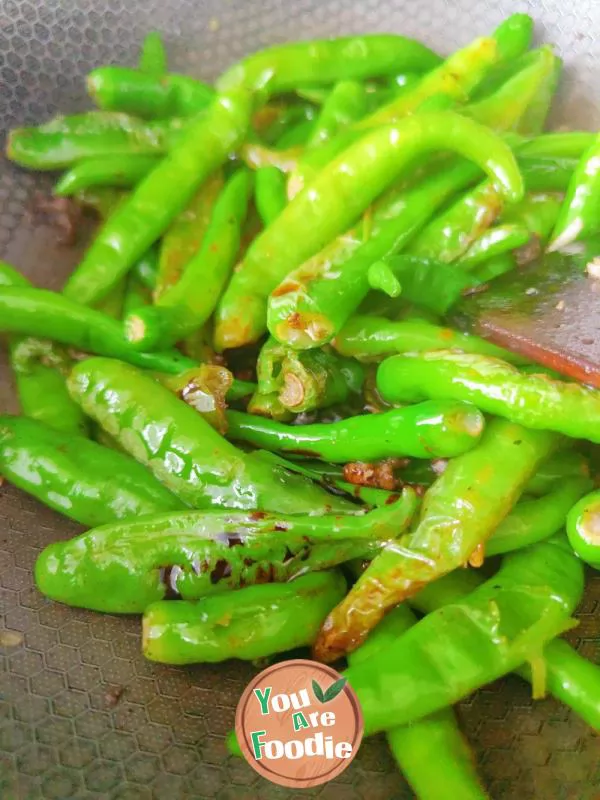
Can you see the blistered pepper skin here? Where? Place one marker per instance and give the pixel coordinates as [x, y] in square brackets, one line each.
[182, 450]
[123, 568]
[255, 622]
[77, 477]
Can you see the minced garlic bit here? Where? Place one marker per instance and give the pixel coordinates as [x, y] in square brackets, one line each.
[560, 306]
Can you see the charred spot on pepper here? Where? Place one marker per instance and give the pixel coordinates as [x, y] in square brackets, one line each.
[265, 574]
[222, 569]
[336, 491]
[305, 453]
[285, 287]
[168, 577]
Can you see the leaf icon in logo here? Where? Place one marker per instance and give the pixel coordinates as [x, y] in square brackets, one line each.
[334, 690]
[329, 694]
[318, 692]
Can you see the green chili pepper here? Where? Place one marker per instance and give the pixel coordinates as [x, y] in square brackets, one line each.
[255, 622]
[538, 211]
[268, 404]
[514, 36]
[205, 389]
[155, 202]
[569, 677]
[314, 300]
[257, 156]
[495, 241]
[316, 215]
[112, 304]
[477, 641]
[546, 174]
[307, 381]
[504, 623]
[460, 512]
[181, 448]
[37, 312]
[558, 469]
[495, 387]
[273, 120]
[144, 272]
[422, 431]
[535, 117]
[145, 269]
[451, 81]
[583, 529]
[296, 136]
[153, 56]
[195, 384]
[578, 218]
[269, 193]
[136, 297]
[430, 284]
[345, 104]
[186, 234]
[454, 80]
[77, 477]
[308, 307]
[115, 88]
[92, 136]
[563, 467]
[186, 305]
[455, 77]
[313, 93]
[40, 368]
[9, 276]
[103, 200]
[533, 520]
[99, 122]
[370, 338]
[449, 235]
[327, 476]
[123, 568]
[558, 145]
[572, 679]
[378, 92]
[509, 106]
[493, 268]
[283, 68]
[454, 773]
[127, 170]
[412, 745]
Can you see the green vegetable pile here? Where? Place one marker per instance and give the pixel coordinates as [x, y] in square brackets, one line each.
[248, 394]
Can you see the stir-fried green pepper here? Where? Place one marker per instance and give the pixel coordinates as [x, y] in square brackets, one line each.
[123, 568]
[459, 513]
